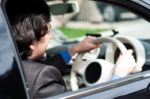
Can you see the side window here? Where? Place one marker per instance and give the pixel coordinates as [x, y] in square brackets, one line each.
[103, 20]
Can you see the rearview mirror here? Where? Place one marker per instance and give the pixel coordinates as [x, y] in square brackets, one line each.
[64, 8]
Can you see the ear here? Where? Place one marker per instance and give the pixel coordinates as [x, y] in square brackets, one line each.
[32, 46]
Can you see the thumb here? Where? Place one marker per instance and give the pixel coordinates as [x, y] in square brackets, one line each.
[129, 51]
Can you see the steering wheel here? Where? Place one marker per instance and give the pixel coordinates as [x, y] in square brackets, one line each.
[78, 69]
[131, 43]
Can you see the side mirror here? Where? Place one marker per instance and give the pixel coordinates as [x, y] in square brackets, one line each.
[64, 8]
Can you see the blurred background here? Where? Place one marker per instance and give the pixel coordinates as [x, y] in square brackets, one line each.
[98, 18]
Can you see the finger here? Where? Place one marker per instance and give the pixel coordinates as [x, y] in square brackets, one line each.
[91, 37]
[130, 51]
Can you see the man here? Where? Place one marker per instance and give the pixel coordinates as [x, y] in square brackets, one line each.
[32, 31]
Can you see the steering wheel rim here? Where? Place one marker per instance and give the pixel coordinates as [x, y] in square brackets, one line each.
[137, 47]
[74, 70]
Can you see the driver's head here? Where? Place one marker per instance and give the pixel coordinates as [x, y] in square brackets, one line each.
[32, 33]
[30, 20]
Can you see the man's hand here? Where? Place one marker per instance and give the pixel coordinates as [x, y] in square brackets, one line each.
[85, 45]
[125, 64]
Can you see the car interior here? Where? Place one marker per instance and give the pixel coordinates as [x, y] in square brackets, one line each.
[115, 40]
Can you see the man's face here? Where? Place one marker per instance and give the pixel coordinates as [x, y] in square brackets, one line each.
[39, 47]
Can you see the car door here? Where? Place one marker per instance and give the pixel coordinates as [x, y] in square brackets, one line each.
[12, 81]
[136, 85]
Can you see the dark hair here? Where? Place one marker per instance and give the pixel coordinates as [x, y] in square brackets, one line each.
[28, 28]
[29, 19]
[19, 7]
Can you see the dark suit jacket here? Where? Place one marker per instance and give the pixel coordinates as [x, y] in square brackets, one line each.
[43, 80]
[56, 61]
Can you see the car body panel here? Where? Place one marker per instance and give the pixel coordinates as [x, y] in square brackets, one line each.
[12, 79]
[112, 89]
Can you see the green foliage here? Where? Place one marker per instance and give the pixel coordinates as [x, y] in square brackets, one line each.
[78, 32]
